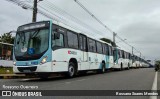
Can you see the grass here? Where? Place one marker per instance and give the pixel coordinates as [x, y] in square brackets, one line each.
[6, 70]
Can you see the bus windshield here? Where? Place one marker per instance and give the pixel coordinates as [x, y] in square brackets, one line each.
[31, 44]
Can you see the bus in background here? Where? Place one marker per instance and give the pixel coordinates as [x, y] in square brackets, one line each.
[44, 48]
[118, 59]
[140, 62]
[108, 52]
[136, 63]
[133, 61]
[128, 60]
[143, 62]
[122, 59]
[111, 57]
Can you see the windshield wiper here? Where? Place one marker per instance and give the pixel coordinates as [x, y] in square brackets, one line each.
[35, 34]
[22, 35]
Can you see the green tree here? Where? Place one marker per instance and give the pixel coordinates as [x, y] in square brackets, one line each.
[7, 38]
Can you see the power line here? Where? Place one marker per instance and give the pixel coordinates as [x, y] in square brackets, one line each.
[93, 16]
[83, 7]
[64, 13]
[26, 6]
[69, 16]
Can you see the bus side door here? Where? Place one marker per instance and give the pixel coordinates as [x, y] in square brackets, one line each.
[84, 53]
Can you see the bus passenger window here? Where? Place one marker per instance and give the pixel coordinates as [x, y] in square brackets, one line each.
[81, 42]
[58, 42]
[72, 40]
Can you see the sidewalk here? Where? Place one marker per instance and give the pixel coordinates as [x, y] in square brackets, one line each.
[11, 76]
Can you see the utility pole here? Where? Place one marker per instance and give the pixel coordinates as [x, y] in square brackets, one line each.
[114, 38]
[114, 35]
[34, 11]
[132, 50]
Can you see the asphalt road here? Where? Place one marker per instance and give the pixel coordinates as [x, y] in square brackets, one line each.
[133, 79]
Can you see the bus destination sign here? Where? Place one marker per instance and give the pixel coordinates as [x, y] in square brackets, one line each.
[34, 26]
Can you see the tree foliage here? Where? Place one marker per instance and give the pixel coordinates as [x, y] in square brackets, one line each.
[6, 49]
[7, 38]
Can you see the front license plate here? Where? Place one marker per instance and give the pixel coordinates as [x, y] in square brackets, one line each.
[26, 71]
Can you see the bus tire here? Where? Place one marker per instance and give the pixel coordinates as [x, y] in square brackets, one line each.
[71, 70]
[103, 69]
[121, 67]
[128, 67]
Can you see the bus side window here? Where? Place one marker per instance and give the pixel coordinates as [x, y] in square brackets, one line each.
[99, 47]
[123, 55]
[120, 52]
[110, 53]
[107, 50]
[72, 40]
[84, 43]
[92, 45]
[57, 42]
[104, 49]
[81, 42]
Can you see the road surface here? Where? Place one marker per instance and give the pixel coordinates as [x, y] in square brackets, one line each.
[133, 79]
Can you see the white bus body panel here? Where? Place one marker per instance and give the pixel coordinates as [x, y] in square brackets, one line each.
[46, 67]
[111, 62]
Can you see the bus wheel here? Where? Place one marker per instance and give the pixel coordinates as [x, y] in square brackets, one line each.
[121, 67]
[103, 69]
[128, 66]
[71, 70]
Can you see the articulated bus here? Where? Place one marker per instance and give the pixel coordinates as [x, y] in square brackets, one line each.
[43, 48]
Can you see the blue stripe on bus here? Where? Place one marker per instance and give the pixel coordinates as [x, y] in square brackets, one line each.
[107, 61]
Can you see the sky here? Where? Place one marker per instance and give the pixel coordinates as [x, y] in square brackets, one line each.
[137, 21]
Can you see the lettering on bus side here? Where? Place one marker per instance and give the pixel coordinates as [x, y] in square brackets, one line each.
[72, 52]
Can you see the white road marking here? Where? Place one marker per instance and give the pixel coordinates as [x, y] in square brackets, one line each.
[154, 86]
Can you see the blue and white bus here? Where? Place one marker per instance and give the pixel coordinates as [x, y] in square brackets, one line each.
[44, 48]
[136, 61]
[122, 59]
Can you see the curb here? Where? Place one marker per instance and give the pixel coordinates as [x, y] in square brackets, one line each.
[12, 76]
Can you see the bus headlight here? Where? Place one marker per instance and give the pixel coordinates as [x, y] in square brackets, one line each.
[14, 63]
[44, 60]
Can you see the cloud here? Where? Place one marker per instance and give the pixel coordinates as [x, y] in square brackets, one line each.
[136, 20]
